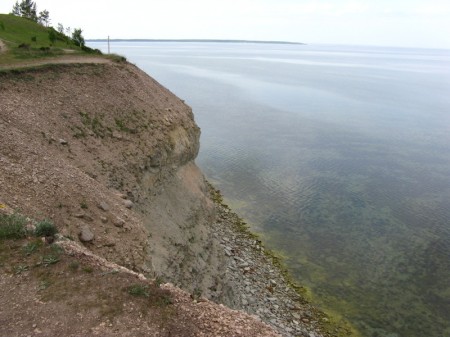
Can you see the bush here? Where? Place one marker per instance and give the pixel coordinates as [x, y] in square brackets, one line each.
[25, 46]
[12, 226]
[138, 290]
[45, 228]
[90, 50]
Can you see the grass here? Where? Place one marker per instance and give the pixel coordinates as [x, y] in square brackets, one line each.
[138, 290]
[155, 295]
[77, 285]
[33, 39]
[12, 226]
[49, 260]
[45, 228]
[32, 247]
[94, 123]
[26, 39]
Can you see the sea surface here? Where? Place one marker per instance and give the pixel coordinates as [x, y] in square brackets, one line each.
[339, 156]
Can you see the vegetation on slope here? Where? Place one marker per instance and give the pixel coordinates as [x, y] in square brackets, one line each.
[26, 39]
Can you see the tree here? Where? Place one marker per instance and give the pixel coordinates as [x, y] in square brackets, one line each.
[52, 35]
[16, 9]
[44, 18]
[77, 37]
[28, 9]
[60, 28]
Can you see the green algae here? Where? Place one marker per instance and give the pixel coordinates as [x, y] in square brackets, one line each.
[331, 322]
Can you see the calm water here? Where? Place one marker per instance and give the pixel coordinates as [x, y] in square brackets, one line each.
[340, 157]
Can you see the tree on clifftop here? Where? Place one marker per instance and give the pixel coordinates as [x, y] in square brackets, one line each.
[27, 9]
[16, 9]
[44, 18]
[77, 38]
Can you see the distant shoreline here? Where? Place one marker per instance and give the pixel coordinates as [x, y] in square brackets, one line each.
[194, 40]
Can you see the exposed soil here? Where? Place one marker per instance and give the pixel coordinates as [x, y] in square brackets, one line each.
[79, 295]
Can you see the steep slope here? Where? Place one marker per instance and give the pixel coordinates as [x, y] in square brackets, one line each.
[82, 144]
[107, 154]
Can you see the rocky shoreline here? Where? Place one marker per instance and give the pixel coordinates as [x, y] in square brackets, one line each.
[260, 285]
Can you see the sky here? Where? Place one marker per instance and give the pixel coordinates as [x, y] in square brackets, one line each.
[398, 23]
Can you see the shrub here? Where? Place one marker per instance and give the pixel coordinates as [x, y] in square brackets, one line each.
[45, 228]
[52, 36]
[74, 265]
[138, 290]
[12, 226]
[25, 46]
[91, 50]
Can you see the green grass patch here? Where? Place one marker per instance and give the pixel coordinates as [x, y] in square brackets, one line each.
[138, 290]
[45, 228]
[12, 226]
[32, 247]
[50, 259]
[155, 295]
[28, 40]
[120, 123]
[94, 123]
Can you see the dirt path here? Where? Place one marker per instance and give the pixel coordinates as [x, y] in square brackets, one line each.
[3, 47]
[56, 60]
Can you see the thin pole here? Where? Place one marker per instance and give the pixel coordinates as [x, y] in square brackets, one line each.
[108, 46]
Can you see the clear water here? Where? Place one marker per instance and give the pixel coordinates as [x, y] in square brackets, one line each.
[339, 156]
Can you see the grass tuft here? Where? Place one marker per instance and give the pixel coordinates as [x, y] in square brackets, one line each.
[138, 290]
[45, 228]
[31, 247]
[12, 226]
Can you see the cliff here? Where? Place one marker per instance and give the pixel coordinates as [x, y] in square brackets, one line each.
[107, 149]
[107, 154]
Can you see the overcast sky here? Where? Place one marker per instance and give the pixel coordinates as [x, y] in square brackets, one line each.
[415, 23]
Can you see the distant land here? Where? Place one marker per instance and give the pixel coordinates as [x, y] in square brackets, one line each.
[193, 40]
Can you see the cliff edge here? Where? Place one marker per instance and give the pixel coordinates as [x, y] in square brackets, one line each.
[107, 154]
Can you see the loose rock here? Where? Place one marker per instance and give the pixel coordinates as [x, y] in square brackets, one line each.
[128, 203]
[119, 222]
[86, 235]
[103, 206]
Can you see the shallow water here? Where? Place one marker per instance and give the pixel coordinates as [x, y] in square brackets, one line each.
[339, 156]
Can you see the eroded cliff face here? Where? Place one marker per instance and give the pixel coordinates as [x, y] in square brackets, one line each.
[108, 154]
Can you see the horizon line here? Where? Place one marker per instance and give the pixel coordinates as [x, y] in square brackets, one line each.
[197, 40]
